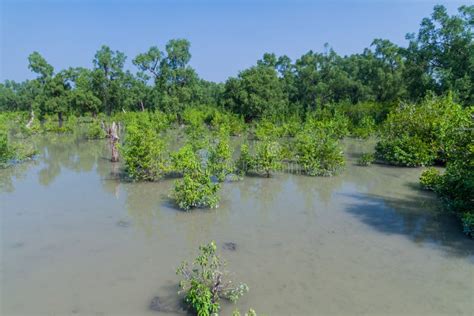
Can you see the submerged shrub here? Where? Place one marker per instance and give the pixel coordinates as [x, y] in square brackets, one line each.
[267, 158]
[318, 154]
[95, 131]
[405, 150]
[245, 162]
[6, 152]
[142, 153]
[430, 179]
[365, 127]
[420, 134]
[205, 282]
[220, 158]
[366, 159]
[196, 190]
[185, 160]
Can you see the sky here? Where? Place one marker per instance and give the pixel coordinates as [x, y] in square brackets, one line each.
[226, 36]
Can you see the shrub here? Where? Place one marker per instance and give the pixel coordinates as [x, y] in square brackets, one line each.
[206, 282]
[405, 151]
[366, 159]
[430, 179]
[185, 160]
[6, 152]
[365, 128]
[220, 158]
[318, 154]
[196, 190]
[142, 152]
[426, 130]
[267, 158]
[95, 131]
[467, 220]
[245, 162]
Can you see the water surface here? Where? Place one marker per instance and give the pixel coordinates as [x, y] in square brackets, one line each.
[75, 240]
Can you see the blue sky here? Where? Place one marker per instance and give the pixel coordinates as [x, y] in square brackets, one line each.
[226, 36]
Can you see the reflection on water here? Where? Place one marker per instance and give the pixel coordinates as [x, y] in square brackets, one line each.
[76, 239]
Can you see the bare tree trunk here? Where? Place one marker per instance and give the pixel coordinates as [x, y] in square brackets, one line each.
[32, 118]
[141, 105]
[114, 138]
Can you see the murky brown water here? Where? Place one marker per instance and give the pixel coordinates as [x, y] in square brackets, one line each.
[75, 240]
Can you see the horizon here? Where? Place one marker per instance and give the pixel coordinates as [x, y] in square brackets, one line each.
[69, 34]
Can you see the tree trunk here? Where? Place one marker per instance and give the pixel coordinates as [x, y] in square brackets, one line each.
[32, 118]
[60, 119]
[113, 141]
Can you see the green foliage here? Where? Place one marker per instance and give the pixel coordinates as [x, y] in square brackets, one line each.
[251, 312]
[430, 179]
[220, 158]
[6, 152]
[417, 135]
[318, 153]
[95, 131]
[196, 190]
[405, 151]
[143, 153]
[206, 282]
[365, 128]
[268, 156]
[245, 162]
[366, 159]
[185, 160]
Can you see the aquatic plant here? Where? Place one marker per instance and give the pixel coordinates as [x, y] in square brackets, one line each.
[196, 190]
[430, 178]
[220, 158]
[267, 158]
[95, 130]
[420, 134]
[318, 153]
[366, 159]
[143, 153]
[205, 282]
[405, 150]
[251, 312]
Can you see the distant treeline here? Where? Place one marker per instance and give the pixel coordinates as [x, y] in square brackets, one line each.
[437, 60]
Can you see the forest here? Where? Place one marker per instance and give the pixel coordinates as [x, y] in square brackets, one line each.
[280, 115]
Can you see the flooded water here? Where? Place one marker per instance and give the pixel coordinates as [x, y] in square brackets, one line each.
[77, 241]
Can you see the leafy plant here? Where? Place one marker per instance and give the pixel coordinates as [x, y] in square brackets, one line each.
[267, 158]
[196, 190]
[366, 159]
[318, 154]
[405, 151]
[206, 282]
[95, 131]
[143, 153]
[220, 158]
[430, 179]
[185, 160]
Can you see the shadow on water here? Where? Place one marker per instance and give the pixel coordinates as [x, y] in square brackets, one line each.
[416, 217]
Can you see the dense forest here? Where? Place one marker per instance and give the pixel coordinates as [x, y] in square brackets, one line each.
[438, 59]
[416, 102]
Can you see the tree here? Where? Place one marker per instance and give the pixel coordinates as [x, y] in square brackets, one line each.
[108, 74]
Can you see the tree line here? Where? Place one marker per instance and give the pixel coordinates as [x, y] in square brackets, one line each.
[438, 59]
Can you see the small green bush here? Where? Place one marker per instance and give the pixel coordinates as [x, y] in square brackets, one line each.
[6, 153]
[365, 128]
[267, 158]
[95, 131]
[196, 190]
[206, 282]
[220, 158]
[430, 179]
[185, 160]
[405, 151]
[467, 220]
[366, 159]
[143, 153]
[318, 154]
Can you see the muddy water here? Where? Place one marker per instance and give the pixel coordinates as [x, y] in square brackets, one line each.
[77, 241]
